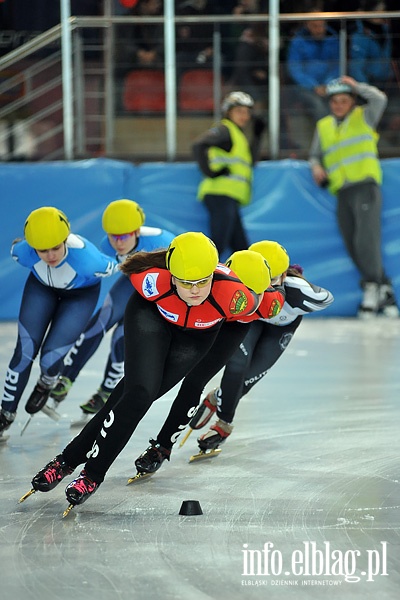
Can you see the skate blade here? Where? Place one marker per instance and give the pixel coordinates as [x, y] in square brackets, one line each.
[4, 438]
[81, 422]
[51, 412]
[68, 510]
[139, 476]
[26, 425]
[183, 440]
[205, 454]
[25, 496]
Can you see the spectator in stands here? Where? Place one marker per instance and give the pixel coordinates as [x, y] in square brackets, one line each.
[141, 46]
[344, 156]
[250, 73]
[226, 159]
[231, 32]
[138, 46]
[312, 61]
[250, 69]
[194, 41]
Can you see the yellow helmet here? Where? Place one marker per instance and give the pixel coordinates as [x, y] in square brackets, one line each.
[122, 216]
[251, 268]
[46, 227]
[275, 254]
[191, 256]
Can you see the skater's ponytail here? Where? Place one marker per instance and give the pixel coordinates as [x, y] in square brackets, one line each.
[141, 261]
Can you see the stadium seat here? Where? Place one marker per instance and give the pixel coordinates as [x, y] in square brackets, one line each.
[195, 92]
[144, 91]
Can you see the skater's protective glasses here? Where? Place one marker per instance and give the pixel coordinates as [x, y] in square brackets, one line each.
[200, 283]
[121, 237]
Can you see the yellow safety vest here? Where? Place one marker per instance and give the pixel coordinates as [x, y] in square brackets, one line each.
[238, 183]
[349, 150]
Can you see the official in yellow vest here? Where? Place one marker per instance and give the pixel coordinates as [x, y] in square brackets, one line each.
[344, 158]
[350, 150]
[226, 159]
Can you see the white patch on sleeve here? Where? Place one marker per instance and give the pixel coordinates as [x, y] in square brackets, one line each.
[75, 241]
[150, 231]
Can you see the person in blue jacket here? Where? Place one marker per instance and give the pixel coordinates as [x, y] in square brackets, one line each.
[313, 61]
[59, 297]
[123, 221]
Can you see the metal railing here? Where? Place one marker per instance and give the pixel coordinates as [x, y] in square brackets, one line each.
[85, 118]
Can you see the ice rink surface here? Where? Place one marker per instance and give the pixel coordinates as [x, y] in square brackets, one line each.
[303, 501]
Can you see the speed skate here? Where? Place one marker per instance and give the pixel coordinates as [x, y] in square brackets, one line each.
[205, 454]
[51, 410]
[138, 477]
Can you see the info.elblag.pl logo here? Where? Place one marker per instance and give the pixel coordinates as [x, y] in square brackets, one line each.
[316, 562]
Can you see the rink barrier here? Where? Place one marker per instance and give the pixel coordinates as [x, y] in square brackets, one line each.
[287, 206]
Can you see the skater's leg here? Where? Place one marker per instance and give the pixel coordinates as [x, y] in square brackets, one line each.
[229, 391]
[77, 451]
[115, 363]
[231, 386]
[113, 373]
[72, 312]
[37, 309]
[110, 313]
[260, 350]
[271, 345]
[157, 356]
[70, 317]
[188, 398]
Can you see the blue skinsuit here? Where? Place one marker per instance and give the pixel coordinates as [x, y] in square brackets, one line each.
[56, 304]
